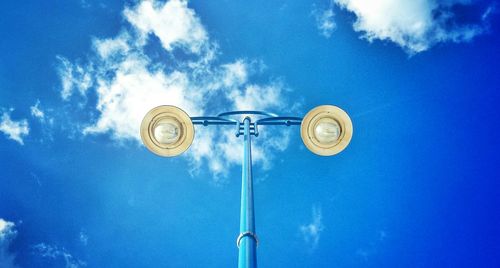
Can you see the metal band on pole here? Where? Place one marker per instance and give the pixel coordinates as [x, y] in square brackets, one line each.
[254, 236]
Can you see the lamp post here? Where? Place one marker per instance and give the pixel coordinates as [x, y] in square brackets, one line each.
[168, 131]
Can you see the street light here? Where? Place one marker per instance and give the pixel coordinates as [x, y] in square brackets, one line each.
[168, 131]
[326, 130]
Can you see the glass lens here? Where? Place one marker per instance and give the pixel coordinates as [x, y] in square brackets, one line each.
[166, 132]
[327, 130]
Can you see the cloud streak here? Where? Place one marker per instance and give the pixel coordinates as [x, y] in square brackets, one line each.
[325, 21]
[311, 232]
[55, 253]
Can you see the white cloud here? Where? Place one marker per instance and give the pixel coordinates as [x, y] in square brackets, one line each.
[173, 22]
[324, 21]
[235, 73]
[257, 97]
[312, 232]
[7, 235]
[36, 111]
[109, 47]
[55, 253]
[15, 130]
[129, 80]
[414, 25]
[124, 100]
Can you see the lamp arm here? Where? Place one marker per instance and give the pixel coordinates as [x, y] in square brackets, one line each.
[280, 120]
[212, 120]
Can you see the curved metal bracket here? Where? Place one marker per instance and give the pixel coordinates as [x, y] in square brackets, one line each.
[267, 119]
[225, 114]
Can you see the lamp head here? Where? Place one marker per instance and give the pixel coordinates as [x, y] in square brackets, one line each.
[167, 131]
[326, 130]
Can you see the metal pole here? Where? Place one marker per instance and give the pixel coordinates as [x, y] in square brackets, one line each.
[247, 240]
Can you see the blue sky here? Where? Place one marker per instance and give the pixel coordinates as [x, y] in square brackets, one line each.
[417, 186]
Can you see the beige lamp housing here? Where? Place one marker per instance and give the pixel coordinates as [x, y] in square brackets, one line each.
[326, 130]
[167, 131]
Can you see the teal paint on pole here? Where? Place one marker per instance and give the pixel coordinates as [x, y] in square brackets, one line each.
[247, 256]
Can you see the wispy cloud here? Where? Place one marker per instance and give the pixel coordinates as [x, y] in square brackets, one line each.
[46, 119]
[325, 20]
[312, 232]
[7, 235]
[73, 77]
[129, 80]
[372, 248]
[36, 111]
[55, 253]
[14, 130]
[36, 179]
[83, 237]
[415, 25]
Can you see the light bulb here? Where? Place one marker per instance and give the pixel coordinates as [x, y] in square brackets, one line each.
[327, 130]
[166, 132]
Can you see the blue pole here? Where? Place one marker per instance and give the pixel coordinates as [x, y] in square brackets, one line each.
[247, 240]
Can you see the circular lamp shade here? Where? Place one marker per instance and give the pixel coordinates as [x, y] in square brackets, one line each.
[167, 131]
[326, 130]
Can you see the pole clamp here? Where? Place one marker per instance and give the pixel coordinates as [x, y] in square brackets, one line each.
[254, 236]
